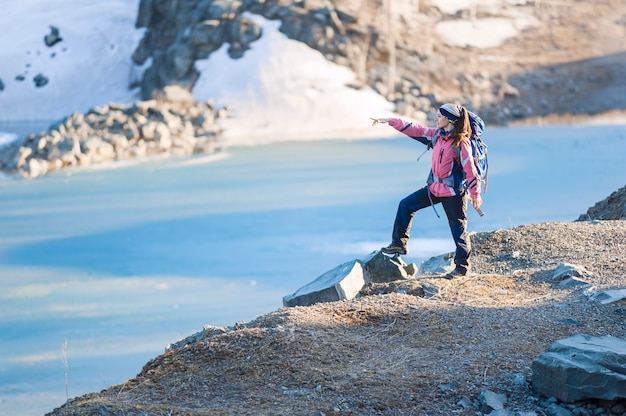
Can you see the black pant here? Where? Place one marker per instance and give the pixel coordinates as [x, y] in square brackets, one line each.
[456, 211]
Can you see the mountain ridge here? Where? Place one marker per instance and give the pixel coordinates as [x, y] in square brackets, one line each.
[559, 62]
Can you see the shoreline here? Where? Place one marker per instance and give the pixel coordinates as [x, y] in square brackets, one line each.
[609, 118]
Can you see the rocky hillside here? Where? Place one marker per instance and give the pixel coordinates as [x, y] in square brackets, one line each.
[612, 207]
[565, 59]
[417, 346]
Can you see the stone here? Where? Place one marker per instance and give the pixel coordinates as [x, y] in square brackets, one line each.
[565, 270]
[502, 412]
[37, 167]
[381, 268]
[572, 282]
[53, 37]
[40, 80]
[582, 367]
[507, 90]
[438, 265]
[612, 207]
[465, 403]
[175, 93]
[609, 296]
[98, 150]
[411, 269]
[208, 331]
[343, 282]
[430, 290]
[556, 410]
[491, 401]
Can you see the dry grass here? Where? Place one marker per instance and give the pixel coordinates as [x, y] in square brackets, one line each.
[394, 351]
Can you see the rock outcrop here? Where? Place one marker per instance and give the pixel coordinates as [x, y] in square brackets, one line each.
[613, 207]
[174, 124]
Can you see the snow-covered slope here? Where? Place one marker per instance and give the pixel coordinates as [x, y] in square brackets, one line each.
[280, 90]
[91, 66]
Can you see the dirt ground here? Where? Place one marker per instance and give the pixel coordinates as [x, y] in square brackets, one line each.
[395, 350]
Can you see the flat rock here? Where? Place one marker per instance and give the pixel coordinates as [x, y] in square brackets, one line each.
[342, 282]
[609, 296]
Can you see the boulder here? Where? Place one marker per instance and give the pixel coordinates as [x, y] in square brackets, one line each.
[345, 281]
[582, 367]
[380, 268]
[342, 282]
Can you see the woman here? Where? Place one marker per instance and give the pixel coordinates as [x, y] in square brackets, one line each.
[451, 172]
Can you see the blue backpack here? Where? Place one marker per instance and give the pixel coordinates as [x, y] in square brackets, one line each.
[479, 150]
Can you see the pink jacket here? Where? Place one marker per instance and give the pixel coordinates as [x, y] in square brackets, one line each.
[443, 157]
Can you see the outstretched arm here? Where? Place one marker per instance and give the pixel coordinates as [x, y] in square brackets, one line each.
[422, 134]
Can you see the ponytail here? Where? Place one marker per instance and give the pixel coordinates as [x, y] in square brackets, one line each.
[462, 129]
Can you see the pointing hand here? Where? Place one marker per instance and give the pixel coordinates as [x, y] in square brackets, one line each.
[375, 121]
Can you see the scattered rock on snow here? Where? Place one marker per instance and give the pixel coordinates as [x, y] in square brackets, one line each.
[53, 37]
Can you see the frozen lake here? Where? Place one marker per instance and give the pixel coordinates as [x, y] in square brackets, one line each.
[121, 261]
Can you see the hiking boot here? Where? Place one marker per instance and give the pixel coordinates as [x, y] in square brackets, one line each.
[457, 272]
[391, 249]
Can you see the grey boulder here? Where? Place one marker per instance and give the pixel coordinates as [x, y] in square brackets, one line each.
[582, 367]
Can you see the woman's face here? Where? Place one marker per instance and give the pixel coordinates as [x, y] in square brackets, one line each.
[442, 122]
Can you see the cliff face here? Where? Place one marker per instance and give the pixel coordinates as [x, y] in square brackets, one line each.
[561, 60]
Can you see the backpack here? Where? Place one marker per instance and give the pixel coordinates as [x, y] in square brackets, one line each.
[479, 150]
